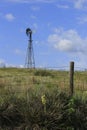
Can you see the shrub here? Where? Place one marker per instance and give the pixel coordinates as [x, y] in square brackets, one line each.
[43, 73]
[43, 110]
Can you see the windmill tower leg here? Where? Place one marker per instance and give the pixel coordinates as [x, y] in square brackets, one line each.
[30, 62]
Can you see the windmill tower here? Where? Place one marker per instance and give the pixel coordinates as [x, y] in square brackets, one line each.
[30, 62]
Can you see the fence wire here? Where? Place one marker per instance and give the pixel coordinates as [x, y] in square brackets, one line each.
[20, 80]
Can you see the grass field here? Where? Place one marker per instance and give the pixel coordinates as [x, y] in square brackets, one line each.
[21, 79]
[37, 99]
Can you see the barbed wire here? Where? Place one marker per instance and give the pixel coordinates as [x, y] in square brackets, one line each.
[62, 80]
[51, 67]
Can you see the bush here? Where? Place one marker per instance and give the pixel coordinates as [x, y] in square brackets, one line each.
[43, 73]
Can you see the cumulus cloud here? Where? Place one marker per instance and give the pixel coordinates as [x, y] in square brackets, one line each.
[9, 17]
[68, 41]
[64, 45]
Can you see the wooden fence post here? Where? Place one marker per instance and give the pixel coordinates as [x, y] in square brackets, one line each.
[71, 78]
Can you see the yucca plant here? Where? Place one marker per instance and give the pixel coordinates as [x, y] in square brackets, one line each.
[43, 109]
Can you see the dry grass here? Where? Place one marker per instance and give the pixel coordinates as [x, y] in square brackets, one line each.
[22, 108]
[23, 79]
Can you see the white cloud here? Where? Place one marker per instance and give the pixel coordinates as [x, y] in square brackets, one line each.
[35, 8]
[79, 3]
[18, 52]
[35, 25]
[62, 6]
[82, 20]
[14, 66]
[68, 41]
[21, 66]
[64, 45]
[2, 63]
[33, 17]
[31, 1]
[9, 17]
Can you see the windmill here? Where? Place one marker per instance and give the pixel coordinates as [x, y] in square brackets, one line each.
[29, 62]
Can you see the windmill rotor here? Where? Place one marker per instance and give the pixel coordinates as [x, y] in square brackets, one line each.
[28, 31]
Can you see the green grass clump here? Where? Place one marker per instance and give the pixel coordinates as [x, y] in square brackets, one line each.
[41, 72]
[39, 100]
[42, 109]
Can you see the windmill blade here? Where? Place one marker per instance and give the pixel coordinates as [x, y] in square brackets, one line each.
[28, 31]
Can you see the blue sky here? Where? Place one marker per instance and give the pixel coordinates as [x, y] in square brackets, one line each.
[59, 32]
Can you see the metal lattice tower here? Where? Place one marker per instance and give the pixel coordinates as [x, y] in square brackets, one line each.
[30, 62]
